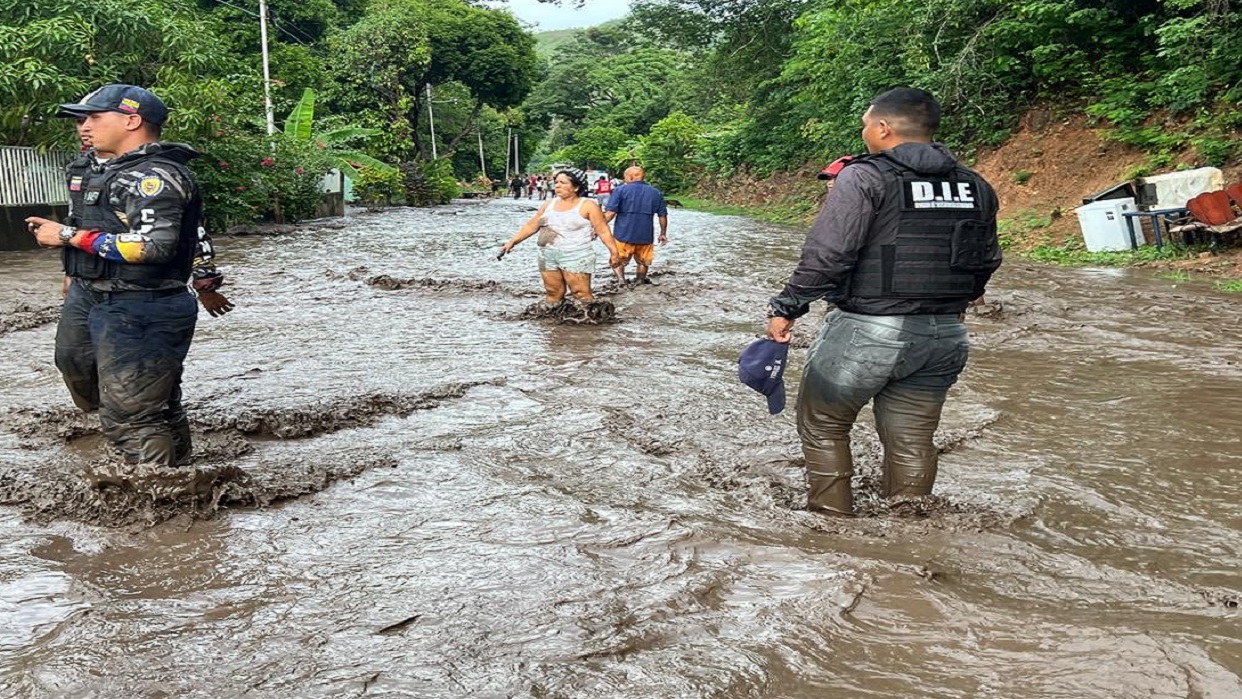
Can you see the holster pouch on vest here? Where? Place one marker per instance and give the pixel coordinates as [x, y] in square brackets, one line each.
[970, 247]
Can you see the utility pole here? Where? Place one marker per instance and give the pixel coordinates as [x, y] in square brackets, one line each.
[431, 119]
[267, 73]
[508, 152]
[482, 163]
[517, 159]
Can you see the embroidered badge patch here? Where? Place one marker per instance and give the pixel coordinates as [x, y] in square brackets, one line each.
[150, 186]
[128, 105]
[75, 184]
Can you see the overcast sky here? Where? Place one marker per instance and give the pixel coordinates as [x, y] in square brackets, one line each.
[546, 16]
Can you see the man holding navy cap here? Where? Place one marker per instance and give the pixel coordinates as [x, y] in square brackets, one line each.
[128, 317]
[906, 240]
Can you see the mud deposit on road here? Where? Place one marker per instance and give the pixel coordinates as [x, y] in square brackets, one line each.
[409, 483]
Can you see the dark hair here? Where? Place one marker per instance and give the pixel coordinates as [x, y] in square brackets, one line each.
[917, 108]
[576, 177]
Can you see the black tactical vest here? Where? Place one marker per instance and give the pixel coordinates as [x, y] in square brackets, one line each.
[930, 237]
[102, 196]
[77, 177]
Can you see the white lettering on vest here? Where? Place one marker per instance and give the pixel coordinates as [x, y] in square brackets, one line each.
[927, 195]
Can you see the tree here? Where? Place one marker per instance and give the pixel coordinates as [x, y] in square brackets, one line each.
[377, 69]
[399, 47]
[602, 77]
[667, 153]
[595, 146]
[55, 51]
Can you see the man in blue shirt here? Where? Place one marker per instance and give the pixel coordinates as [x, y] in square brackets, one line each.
[633, 205]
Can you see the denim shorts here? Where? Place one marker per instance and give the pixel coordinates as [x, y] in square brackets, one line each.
[573, 262]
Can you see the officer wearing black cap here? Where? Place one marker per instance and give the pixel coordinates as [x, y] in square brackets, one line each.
[207, 280]
[129, 252]
[906, 240]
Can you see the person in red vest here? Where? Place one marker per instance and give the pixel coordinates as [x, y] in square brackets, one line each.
[603, 190]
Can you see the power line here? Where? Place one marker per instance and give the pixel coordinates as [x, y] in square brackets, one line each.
[288, 30]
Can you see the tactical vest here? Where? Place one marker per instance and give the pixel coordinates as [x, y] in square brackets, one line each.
[101, 197]
[77, 176]
[930, 237]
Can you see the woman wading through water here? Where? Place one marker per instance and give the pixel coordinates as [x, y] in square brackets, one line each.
[567, 225]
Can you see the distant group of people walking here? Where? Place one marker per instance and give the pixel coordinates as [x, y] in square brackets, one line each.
[530, 186]
[543, 186]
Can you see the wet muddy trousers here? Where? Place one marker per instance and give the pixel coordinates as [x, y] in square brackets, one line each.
[904, 365]
[122, 355]
[906, 420]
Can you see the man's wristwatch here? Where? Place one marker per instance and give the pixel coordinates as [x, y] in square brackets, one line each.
[66, 234]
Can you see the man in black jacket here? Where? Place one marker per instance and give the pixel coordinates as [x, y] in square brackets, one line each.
[905, 242]
[129, 255]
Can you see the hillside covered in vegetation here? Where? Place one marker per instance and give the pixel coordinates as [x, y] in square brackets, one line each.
[702, 92]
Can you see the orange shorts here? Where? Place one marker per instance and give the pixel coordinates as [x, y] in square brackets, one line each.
[643, 254]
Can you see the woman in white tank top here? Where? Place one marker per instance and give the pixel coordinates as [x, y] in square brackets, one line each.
[567, 225]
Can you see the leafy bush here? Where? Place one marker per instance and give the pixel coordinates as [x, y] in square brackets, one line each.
[244, 180]
[429, 182]
[379, 187]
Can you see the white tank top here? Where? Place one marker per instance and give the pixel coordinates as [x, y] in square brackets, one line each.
[573, 230]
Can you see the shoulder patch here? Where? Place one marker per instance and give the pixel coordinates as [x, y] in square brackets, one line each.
[150, 185]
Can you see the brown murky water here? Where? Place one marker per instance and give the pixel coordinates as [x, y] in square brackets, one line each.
[447, 500]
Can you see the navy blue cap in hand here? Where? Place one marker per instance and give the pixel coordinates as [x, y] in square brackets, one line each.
[762, 367]
[125, 99]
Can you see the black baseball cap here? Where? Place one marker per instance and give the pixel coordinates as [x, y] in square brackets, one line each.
[126, 99]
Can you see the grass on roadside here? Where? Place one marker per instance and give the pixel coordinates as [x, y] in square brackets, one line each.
[788, 213]
[1073, 253]
[1177, 275]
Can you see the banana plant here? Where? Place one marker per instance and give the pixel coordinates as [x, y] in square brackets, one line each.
[298, 126]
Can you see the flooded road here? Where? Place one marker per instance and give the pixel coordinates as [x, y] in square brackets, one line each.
[449, 501]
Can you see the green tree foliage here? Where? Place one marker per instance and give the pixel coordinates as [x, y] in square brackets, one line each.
[668, 152]
[594, 146]
[738, 43]
[603, 78]
[377, 69]
[55, 51]
[776, 84]
[384, 63]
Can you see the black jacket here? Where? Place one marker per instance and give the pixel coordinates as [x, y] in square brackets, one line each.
[846, 225]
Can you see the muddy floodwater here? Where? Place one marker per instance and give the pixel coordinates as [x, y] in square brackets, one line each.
[444, 498]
